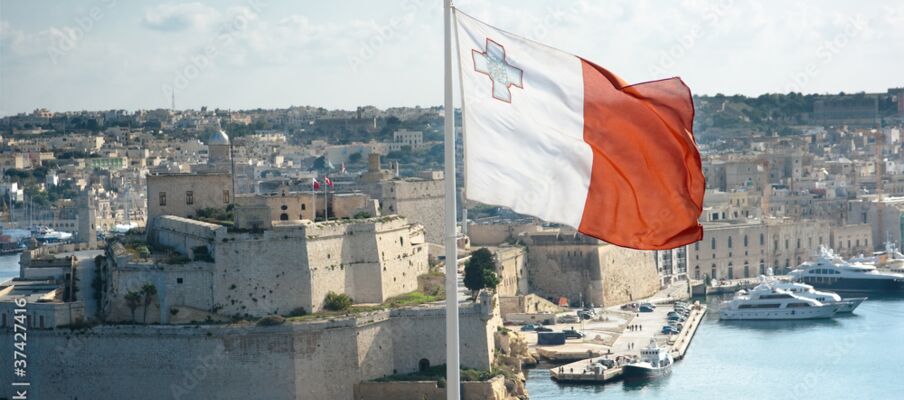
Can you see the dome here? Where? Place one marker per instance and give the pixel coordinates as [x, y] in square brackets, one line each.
[218, 138]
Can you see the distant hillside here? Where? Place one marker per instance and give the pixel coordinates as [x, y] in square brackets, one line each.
[719, 115]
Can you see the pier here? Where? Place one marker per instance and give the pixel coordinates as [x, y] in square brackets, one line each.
[627, 347]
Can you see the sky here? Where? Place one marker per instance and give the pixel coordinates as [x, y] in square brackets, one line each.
[118, 54]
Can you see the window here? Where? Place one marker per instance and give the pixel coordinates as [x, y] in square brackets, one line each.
[697, 246]
[746, 270]
[189, 197]
[729, 242]
[713, 243]
[786, 244]
[697, 272]
[798, 243]
[178, 280]
[226, 197]
[745, 240]
[303, 207]
[284, 207]
[283, 217]
[762, 267]
[163, 198]
[730, 271]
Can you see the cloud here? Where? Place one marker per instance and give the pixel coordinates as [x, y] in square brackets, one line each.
[174, 17]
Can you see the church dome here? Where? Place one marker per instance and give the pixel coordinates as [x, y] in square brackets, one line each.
[218, 138]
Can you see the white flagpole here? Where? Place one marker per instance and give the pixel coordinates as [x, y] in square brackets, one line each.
[314, 196]
[453, 379]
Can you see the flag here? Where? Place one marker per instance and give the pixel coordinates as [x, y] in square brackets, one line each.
[328, 182]
[329, 164]
[343, 170]
[315, 184]
[549, 134]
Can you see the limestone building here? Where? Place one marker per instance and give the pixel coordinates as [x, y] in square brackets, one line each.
[207, 186]
[746, 249]
[418, 199]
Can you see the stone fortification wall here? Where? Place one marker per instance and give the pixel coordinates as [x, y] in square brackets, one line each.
[583, 268]
[315, 360]
[627, 274]
[296, 265]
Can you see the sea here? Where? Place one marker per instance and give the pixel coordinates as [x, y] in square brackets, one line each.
[859, 356]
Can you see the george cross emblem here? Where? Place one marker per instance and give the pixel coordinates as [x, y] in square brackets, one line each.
[503, 75]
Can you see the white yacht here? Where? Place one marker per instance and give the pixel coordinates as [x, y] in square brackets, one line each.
[654, 361]
[765, 302]
[829, 271]
[889, 259]
[846, 305]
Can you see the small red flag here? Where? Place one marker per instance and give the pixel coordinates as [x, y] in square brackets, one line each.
[328, 182]
[315, 184]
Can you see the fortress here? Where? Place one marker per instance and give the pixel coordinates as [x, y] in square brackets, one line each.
[291, 266]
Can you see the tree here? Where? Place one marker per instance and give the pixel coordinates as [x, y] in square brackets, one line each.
[133, 299]
[480, 271]
[149, 291]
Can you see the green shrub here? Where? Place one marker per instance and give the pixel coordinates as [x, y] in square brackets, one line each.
[337, 302]
[298, 312]
[271, 320]
[202, 253]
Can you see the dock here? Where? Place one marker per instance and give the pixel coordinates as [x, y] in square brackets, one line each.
[623, 352]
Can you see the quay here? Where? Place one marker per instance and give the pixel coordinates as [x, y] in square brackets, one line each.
[628, 345]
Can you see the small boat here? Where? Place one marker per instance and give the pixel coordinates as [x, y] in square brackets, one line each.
[654, 361]
[765, 302]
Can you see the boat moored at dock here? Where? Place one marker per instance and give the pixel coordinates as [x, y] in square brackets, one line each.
[829, 271]
[846, 305]
[765, 302]
[654, 361]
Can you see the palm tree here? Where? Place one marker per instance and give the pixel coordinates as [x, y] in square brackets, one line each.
[133, 299]
[149, 291]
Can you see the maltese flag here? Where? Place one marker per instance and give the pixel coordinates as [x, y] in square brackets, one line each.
[315, 185]
[549, 134]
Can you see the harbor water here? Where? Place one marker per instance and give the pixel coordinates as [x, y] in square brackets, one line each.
[9, 267]
[856, 356]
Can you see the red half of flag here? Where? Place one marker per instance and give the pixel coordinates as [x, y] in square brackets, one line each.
[315, 184]
[328, 182]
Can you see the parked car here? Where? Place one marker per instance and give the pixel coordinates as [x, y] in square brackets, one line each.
[645, 308]
[585, 315]
[528, 328]
[541, 328]
[651, 305]
[569, 319]
[669, 330]
[676, 317]
[572, 334]
[630, 307]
